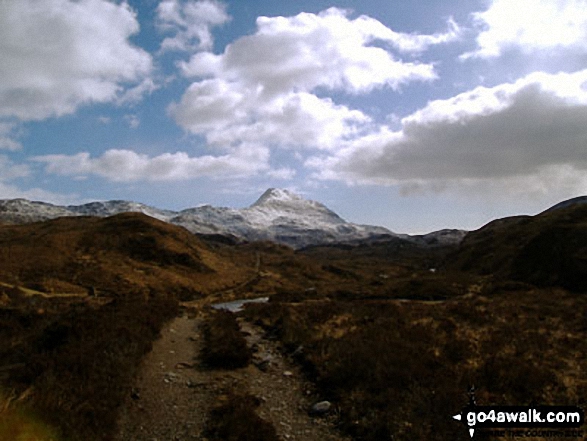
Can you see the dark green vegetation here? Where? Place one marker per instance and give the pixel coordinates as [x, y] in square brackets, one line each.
[394, 345]
[236, 420]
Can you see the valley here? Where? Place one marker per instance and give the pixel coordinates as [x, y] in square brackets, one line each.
[106, 324]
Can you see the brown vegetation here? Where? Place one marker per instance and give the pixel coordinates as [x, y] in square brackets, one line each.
[71, 364]
[81, 300]
[401, 369]
[236, 420]
[549, 249]
[125, 253]
[224, 345]
[394, 345]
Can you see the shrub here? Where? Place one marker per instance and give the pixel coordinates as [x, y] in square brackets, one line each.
[237, 420]
[224, 345]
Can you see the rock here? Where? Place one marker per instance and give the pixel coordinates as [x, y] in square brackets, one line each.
[288, 374]
[171, 377]
[263, 363]
[321, 408]
[184, 365]
[298, 352]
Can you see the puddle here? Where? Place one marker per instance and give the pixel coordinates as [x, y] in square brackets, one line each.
[237, 305]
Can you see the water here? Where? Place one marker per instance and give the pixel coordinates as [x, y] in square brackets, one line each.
[237, 305]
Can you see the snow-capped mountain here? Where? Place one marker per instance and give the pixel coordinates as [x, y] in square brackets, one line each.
[278, 215]
[110, 208]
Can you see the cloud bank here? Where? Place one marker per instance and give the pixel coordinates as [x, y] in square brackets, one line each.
[530, 131]
[59, 54]
[531, 26]
[129, 166]
[263, 88]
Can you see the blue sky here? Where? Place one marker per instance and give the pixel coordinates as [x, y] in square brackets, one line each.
[414, 115]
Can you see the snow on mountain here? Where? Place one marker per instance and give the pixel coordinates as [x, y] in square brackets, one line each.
[278, 215]
[277, 206]
[110, 208]
[23, 211]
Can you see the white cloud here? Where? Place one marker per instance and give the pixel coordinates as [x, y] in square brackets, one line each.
[129, 166]
[531, 25]
[284, 173]
[314, 50]
[408, 43]
[10, 171]
[136, 94]
[59, 54]
[190, 22]
[530, 135]
[229, 115]
[263, 88]
[8, 191]
[8, 133]
[133, 121]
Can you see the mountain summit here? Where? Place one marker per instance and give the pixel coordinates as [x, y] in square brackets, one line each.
[279, 215]
[292, 203]
[278, 196]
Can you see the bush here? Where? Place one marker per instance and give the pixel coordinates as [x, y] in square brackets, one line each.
[237, 421]
[224, 345]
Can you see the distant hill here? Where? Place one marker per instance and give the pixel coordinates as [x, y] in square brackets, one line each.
[279, 216]
[549, 249]
[568, 203]
[128, 252]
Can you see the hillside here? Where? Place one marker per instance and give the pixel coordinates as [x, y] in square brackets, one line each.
[126, 252]
[391, 331]
[549, 249]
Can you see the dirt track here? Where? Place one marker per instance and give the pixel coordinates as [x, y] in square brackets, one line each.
[173, 393]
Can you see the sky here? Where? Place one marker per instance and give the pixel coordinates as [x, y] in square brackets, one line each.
[415, 116]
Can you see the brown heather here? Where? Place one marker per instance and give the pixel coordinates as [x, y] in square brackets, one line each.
[393, 345]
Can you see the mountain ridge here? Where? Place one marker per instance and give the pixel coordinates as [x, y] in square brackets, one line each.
[278, 215]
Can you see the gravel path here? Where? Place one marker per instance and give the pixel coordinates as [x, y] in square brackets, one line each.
[285, 395]
[173, 393]
[170, 398]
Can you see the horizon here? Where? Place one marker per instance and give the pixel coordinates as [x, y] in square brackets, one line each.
[415, 117]
[260, 196]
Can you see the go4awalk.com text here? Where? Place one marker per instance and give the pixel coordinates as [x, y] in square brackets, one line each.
[523, 421]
